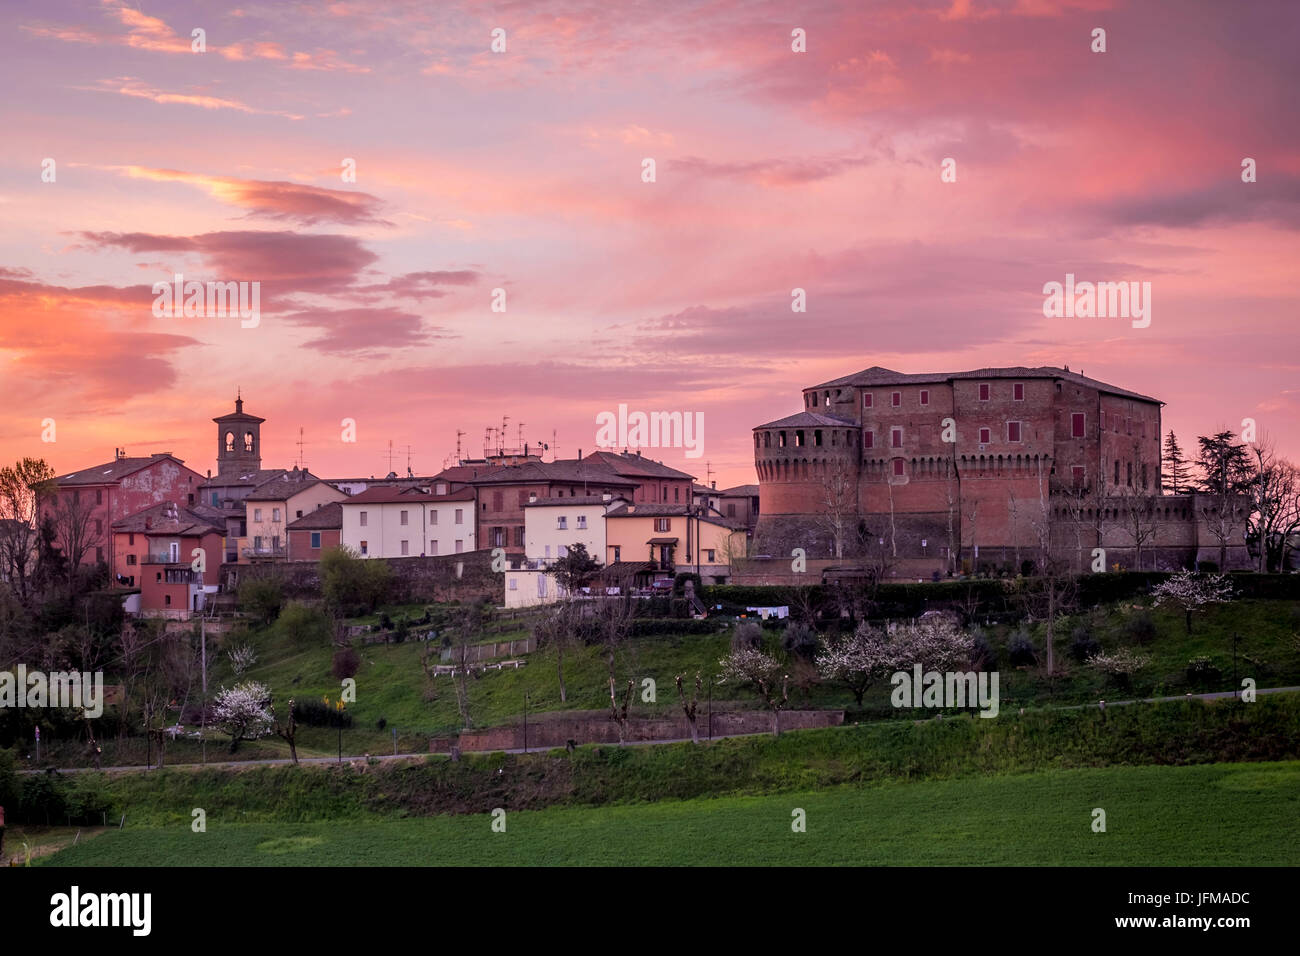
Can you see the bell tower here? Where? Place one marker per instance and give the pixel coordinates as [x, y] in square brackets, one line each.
[239, 442]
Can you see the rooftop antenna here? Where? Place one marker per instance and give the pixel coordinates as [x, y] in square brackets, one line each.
[708, 473]
[501, 449]
[301, 464]
[409, 473]
[521, 435]
[459, 435]
[390, 456]
[555, 445]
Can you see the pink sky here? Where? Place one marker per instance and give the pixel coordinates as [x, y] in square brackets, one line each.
[522, 171]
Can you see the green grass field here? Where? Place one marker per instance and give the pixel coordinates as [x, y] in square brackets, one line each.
[1216, 814]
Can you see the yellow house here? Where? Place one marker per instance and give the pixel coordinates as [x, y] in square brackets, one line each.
[673, 539]
[272, 506]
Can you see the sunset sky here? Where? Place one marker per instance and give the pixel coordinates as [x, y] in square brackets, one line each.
[522, 171]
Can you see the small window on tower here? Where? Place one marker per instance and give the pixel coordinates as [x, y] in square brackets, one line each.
[896, 399]
[866, 399]
[985, 436]
[1018, 391]
[898, 467]
[925, 396]
[984, 391]
[248, 441]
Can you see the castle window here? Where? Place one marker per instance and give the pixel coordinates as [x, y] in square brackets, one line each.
[866, 400]
[1117, 472]
[898, 467]
[1144, 476]
[1128, 469]
[1077, 425]
[986, 436]
[896, 399]
[869, 439]
[828, 399]
[780, 439]
[767, 439]
[1018, 391]
[896, 437]
[925, 396]
[817, 438]
[1013, 431]
[984, 391]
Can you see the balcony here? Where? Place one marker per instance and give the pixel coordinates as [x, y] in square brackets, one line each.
[163, 558]
[268, 552]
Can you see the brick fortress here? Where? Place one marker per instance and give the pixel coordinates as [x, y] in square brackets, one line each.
[956, 471]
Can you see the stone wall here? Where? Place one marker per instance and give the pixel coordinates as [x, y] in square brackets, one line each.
[450, 577]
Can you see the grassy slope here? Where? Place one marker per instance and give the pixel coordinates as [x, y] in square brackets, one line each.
[1173, 816]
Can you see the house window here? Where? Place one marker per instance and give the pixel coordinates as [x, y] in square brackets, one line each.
[405, 548]
[257, 542]
[896, 437]
[731, 509]
[896, 399]
[460, 516]
[433, 546]
[663, 524]
[677, 491]
[618, 553]
[433, 516]
[498, 537]
[541, 585]
[986, 436]
[514, 584]
[561, 551]
[984, 391]
[869, 439]
[866, 399]
[99, 496]
[582, 522]
[364, 518]
[519, 536]
[315, 540]
[1013, 431]
[257, 515]
[708, 556]
[440, 489]
[130, 539]
[167, 600]
[130, 559]
[1076, 425]
[275, 514]
[402, 518]
[1018, 391]
[365, 549]
[460, 545]
[562, 522]
[299, 513]
[898, 467]
[215, 500]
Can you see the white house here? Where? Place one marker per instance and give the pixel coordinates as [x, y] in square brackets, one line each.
[392, 522]
[551, 527]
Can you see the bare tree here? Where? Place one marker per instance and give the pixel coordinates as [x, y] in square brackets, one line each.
[1226, 475]
[1274, 520]
[839, 503]
[690, 708]
[288, 731]
[77, 530]
[1141, 517]
[620, 714]
[765, 674]
[565, 625]
[21, 486]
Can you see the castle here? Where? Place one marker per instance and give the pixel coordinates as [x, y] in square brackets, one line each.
[949, 472]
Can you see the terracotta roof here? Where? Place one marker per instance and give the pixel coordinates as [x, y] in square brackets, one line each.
[740, 491]
[567, 470]
[169, 519]
[628, 463]
[390, 494]
[560, 501]
[876, 376]
[666, 511]
[326, 517]
[253, 478]
[809, 420]
[111, 472]
[285, 486]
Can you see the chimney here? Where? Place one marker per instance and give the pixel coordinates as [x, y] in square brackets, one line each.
[579, 454]
[714, 485]
[531, 497]
[209, 474]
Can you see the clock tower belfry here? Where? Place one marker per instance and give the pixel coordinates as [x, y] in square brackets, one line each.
[239, 442]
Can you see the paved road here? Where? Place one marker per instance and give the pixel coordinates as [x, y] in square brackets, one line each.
[631, 743]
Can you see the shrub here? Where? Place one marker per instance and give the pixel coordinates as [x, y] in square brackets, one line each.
[982, 655]
[747, 635]
[800, 640]
[385, 622]
[354, 585]
[317, 713]
[262, 597]
[1021, 651]
[305, 624]
[679, 583]
[401, 631]
[381, 723]
[1082, 644]
[1202, 669]
[1121, 665]
[1141, 627]
[1210, 567]
[346, 663]
[242, 658]
[679, 608]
